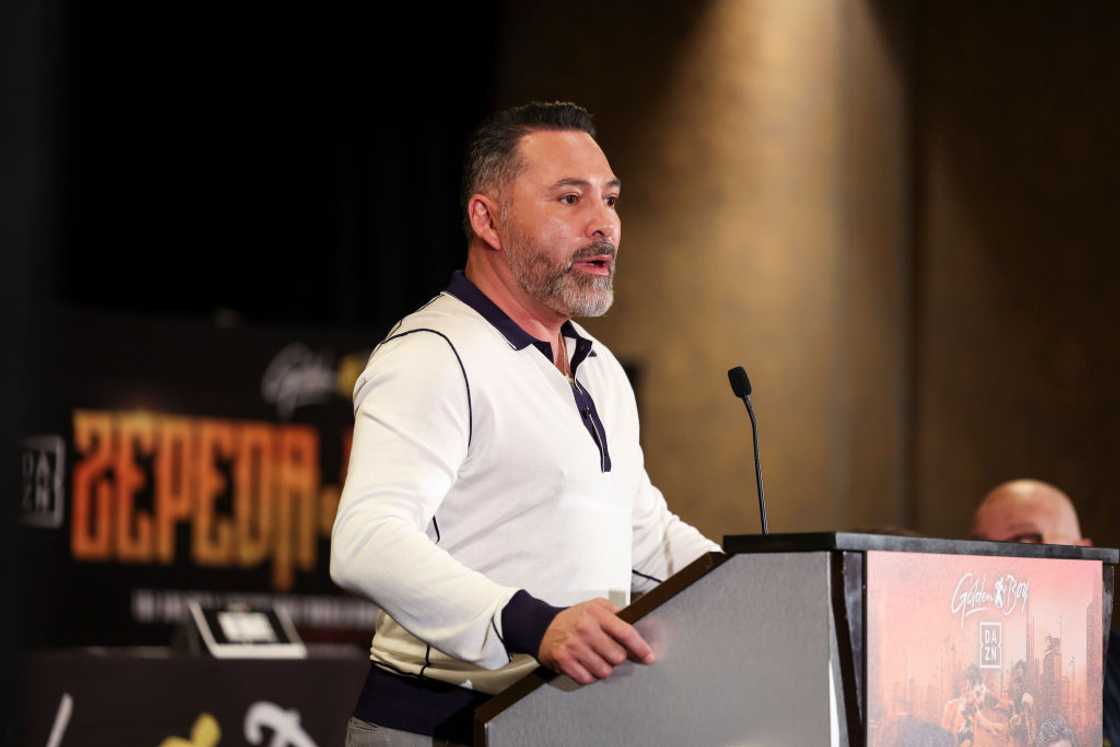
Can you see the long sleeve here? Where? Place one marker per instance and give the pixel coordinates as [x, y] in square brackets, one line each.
[412, 434]
[663, 544]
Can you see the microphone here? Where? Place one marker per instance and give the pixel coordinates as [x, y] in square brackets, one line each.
[741, 387]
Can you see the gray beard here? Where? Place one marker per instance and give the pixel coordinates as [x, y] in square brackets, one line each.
[558, 286]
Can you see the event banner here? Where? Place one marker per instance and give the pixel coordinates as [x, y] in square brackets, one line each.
[177, 461]
[971, 651]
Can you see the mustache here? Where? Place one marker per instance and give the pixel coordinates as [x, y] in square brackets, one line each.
[601, 248]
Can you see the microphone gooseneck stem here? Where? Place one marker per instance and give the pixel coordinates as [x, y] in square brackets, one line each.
[757, 465]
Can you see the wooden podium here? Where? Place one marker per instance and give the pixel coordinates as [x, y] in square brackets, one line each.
[843, 639]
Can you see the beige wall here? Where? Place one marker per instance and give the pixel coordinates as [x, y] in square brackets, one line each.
[1017, 263]
[763, 151]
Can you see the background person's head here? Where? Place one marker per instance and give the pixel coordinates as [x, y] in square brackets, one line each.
[1028, 511]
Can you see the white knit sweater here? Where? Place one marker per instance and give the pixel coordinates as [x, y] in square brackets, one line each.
[473, 474]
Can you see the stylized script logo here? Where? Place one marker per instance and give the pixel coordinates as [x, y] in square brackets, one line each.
[262, 715]
[298, 376]
[284, 724]
[970, 596]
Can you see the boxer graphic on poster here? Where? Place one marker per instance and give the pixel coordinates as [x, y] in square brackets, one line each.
[963, 716]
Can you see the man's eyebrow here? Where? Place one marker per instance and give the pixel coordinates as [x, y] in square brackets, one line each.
[573, 182]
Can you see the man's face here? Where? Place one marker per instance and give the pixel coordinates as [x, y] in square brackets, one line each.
[559, 226]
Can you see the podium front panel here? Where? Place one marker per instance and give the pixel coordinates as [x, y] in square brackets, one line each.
[743, 658]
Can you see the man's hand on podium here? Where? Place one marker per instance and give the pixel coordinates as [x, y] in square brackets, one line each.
[588, 640]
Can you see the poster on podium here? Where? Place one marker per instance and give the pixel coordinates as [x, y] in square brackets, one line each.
[971, 651]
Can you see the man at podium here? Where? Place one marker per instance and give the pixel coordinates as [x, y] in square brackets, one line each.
[497, 507]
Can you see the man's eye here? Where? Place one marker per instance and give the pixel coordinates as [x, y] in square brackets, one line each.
[569, 199]
[1027, 538]
[612, 200]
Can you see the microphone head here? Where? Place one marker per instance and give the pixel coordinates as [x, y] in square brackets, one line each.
[740, 384]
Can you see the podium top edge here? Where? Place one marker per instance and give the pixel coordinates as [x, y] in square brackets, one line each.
[862, 542]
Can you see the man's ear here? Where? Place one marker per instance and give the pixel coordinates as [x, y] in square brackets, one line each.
[482, 211]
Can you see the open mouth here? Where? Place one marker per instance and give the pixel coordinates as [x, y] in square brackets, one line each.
[600, 265]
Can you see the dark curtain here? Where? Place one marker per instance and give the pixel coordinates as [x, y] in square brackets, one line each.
[263, 166]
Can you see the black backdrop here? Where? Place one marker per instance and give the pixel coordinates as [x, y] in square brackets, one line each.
[284, 165]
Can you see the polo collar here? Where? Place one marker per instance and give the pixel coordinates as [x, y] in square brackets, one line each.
[463, 289]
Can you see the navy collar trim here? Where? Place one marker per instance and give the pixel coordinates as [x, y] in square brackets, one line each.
[463, 289]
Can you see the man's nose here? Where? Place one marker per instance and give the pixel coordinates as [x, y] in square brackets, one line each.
[604, 224]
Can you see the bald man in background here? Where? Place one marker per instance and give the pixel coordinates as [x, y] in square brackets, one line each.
[1028, 511]
[1036, 512]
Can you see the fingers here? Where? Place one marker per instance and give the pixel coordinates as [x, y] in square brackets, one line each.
[618, 640]
[595, 664]
[575, 670]
[597, 659]
[587, 641]
[626, 635]
[581, 663]
[608, 649]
